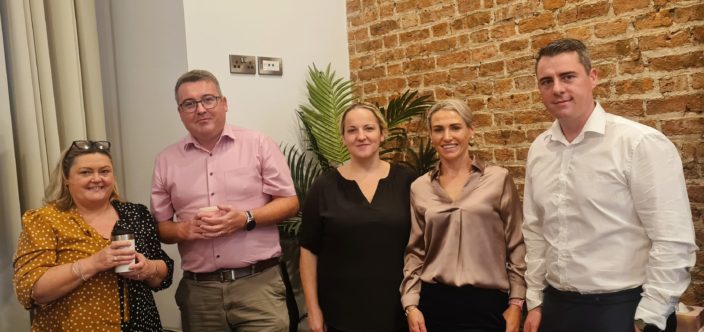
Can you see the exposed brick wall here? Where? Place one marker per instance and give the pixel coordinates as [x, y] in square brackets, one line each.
[649, 55]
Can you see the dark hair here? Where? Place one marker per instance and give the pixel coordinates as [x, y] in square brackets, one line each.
[196, 75]
[57, 191]
[566, 45]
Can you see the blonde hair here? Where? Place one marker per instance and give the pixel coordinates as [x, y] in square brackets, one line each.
[451, 105]
[366, 106]
[57, 191]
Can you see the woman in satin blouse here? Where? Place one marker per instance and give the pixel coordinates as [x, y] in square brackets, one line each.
[65, 261]
[464, 263]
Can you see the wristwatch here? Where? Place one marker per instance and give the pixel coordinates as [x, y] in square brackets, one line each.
[251, 223]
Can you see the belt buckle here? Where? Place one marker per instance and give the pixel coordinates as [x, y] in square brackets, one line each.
[224, 275]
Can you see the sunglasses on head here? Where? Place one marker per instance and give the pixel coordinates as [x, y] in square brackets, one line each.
[85, 145]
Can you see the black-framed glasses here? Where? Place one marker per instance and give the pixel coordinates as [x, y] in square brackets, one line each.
[85, 145]
[191, 105]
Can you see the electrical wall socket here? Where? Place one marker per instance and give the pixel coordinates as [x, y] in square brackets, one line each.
[243, 64]
[270, 66]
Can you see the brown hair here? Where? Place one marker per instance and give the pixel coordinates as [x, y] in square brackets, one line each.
[566, 45]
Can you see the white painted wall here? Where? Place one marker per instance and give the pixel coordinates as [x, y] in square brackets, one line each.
[155, 41]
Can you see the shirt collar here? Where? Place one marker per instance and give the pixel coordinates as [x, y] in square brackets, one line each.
[477, 164]
[189, 142]
[595, 124]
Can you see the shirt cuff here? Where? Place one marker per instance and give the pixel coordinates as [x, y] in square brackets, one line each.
[534, 298]
[410, 299]
[653, 312]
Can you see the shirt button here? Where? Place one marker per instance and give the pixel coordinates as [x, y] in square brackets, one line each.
[211, 173]
[217, 256]
[212, 194]
[210, 154]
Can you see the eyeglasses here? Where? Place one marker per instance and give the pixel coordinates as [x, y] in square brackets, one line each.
[85, 145]
[191, 105]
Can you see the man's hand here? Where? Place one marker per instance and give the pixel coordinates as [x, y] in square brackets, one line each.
[532, 320]
[229, 220]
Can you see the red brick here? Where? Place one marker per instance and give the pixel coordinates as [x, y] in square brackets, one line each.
[413, 50]
[553, 4]
[418, 65]
[525, 83]
[541, 21]
[476, 88]
[477, 104]
[532, 134]
[388, 56]
[440, 29]
[370, 87]
[383, 28]
[371, 45]
[698, 34]
[634, 86]
[367, 15]
[436, 78]
[673, 84]
[631, 67]
[675, 62]
[622, 6]
[610, 29]
[519, 65]
[516, 11]
[477, 19]
[480, 36]
[522, 154]
[503, 85]
[353, 6]
[453, 58]
[668, 40]
[480, 120]
[514, 46]
[698, 81]
[532, 116]
[390, 41]
[628, 108]
[441, 45]
[435, 15]
[602, 90]
[386, 10]
[605, 70]
[464, 6]
[464, 74]
[484, 53]
[680, 104]
[688, 14]
[413, 36]
[355, 63]
[683, 126]
[580, 33]
[599, 9]
[503, 119]
[504, 137]
[443, 93]
[508, 102]
[409, 21]
[371, 73]
[394, 69]
[391, 84]
[414, 81]
[491, 68]
[368, 3]
[483, 154]
[662, 18]
[503, 31]
[615, 49]
[695, 193]
[505, 154]
[542, 40]
[359, 35]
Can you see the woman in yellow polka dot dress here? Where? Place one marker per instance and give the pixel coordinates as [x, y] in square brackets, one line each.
[65, 262]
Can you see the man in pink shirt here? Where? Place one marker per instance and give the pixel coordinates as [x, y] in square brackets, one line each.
[231, 279]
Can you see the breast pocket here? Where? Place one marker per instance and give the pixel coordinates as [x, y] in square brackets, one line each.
[243, 183]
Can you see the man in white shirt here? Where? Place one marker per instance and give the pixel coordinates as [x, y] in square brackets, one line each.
[607, 222]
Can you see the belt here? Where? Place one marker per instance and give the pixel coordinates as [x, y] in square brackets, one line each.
[223, 275]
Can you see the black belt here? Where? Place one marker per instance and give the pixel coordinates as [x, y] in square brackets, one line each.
[627, 295]
[223, 275]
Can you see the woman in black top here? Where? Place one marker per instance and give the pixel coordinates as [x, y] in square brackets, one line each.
[356, 223]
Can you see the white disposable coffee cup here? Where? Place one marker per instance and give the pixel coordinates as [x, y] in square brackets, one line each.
[124, 237]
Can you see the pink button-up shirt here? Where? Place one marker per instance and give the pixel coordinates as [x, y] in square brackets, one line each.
[245, 169]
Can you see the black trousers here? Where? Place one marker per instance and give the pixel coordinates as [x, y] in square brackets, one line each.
[466, 309]
[610, 312]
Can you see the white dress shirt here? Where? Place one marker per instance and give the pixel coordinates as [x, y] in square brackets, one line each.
[608, 212]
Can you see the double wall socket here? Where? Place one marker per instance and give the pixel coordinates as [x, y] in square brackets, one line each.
[243, 64]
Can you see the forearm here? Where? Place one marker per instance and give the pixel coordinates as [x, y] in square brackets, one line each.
[170, 232]
[160, 272]
[309, 278]
[60, 280]
[276, 211]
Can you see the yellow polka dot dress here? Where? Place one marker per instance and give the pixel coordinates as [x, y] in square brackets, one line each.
[51, 237]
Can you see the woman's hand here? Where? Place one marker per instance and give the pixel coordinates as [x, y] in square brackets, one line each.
[117, 253]
[416, 321]
[142, 269]
[512, 315]
[316, 323]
